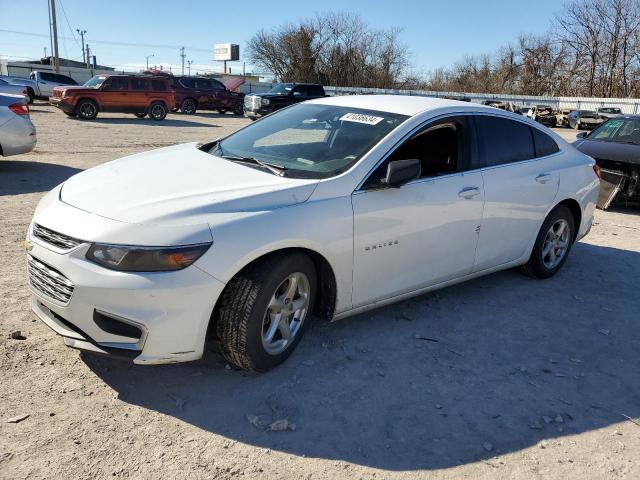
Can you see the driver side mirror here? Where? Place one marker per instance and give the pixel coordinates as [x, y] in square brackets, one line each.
[582, 135]
[400, 172]
[297, 94]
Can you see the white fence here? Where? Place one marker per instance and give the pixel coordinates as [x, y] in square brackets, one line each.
[627, 105]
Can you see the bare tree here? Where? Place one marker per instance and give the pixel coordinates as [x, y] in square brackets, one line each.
[332, 48]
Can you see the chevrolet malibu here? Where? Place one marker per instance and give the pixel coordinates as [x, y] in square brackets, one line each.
[327, 208]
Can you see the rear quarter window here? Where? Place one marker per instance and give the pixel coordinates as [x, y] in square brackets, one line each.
[544, 144]
[504, 140]
[159, 85]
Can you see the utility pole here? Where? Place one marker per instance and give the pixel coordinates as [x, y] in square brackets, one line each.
[88, 56]
[56, 58]
[183, 56]
[189, 62]
[148, 57]
[82, 34]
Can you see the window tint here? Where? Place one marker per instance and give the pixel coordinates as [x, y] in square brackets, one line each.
[619, 131]
[302, 89]
[544, 144]
[140, 84]
[218, 85]
[188, 82]
[116, 84]
[158, 85]
[49, 77]
[65, 80]
[315, 90]
[504, 140]
[442, 148]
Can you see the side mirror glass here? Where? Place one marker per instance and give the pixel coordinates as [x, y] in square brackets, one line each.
[400, 172]
[582, 135]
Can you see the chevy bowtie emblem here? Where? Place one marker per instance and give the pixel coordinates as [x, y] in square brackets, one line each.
[28, 246]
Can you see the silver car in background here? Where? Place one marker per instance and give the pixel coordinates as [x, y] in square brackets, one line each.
[12, 89]
[17, 133]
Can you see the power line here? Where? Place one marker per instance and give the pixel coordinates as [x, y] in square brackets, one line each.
[109, 42]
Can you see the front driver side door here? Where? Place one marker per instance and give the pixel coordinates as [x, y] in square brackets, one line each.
[425, 232]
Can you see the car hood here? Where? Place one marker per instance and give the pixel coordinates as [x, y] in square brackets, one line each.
[179, 185]
[617, 152]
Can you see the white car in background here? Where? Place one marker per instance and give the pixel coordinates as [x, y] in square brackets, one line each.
[331, 207]
[17, 133]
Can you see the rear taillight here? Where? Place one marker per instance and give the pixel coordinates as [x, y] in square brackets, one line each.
[19, 109]
[597, 170]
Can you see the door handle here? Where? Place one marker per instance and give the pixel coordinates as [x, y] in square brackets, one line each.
[469, 192]
[543, 178]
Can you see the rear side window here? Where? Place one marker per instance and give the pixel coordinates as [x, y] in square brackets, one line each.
[203, 83]
[158, 85]
[544, 144]
[139, 84]
[504, 141]
[315, 90]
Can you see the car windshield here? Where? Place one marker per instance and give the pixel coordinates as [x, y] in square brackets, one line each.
[95, 82]
[618, 131]
[610, 110]
[281, 89]
[310, 140]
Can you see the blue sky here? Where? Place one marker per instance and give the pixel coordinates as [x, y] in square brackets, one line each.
[437, 33]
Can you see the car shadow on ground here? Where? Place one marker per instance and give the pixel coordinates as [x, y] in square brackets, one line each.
[18, 177]
[461, 375]
[167, 122]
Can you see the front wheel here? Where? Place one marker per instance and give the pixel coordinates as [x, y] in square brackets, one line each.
[553, 244]
[262, 311]
[87, 110]
[238, 109]
[158, 111]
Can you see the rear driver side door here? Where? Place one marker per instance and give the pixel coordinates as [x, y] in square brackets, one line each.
[426, 231]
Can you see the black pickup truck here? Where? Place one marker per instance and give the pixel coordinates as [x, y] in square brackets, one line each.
[281, 95]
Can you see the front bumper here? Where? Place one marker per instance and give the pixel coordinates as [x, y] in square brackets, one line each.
[63, 104]
[170, 309]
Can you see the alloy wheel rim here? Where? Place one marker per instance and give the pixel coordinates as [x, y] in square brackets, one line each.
[189, 107]
[556, 243]
[86, 110]
[157, 111]
[285, 313]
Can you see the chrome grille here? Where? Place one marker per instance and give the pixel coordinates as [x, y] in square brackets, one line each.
[56, 239]
[252, 102]
[48, 281]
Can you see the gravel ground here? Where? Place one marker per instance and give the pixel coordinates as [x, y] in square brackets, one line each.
[500, 377]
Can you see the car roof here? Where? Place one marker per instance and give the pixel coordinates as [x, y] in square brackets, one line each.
[402, 104]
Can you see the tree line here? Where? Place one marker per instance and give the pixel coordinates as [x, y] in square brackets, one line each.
[592, 48]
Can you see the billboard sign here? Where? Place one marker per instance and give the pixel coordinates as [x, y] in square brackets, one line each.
[226, 52]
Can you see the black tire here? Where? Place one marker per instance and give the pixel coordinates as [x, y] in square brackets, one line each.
[157, 111]
[31, 95]
[238, 109]
[576, 126]
[536, 266]
[222, 111]
[70, 114]
[188, 106]
[243, 311]
[253, 119]
[141, 115]
[86, 109]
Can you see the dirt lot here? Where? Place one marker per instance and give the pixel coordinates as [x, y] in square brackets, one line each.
[501, 377]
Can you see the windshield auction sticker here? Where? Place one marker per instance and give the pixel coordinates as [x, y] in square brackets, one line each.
[361, 118]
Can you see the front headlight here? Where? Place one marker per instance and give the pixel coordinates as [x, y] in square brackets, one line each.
[145, 259]
[265, 101]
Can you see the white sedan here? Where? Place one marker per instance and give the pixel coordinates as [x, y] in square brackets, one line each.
[330, 207]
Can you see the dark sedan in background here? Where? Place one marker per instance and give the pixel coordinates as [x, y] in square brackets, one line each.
[615, 146]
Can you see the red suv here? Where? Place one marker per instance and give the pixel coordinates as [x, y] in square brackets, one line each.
[199, 93]
[140, 95]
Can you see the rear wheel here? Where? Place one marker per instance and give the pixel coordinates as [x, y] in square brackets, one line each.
[158, 111]
[262, 311]
[31, 95]
[87, 110]
[188, 106]
[553, 244]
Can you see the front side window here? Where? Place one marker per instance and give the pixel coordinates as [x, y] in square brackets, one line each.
[218, 85]
[442, 148]
[188, 82]
[310, 140]
[49, 77]
[158, 85]
[203, 83]
[116, 84]
[504, 140]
